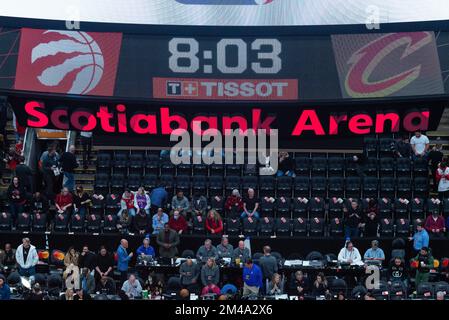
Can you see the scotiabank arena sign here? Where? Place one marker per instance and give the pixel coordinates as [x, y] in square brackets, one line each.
[295, 123]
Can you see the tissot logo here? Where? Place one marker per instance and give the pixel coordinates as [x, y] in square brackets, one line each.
[226, 2]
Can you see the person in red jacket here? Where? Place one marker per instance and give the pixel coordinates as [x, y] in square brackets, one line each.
[234, 204]
[177, 222]
[435, 225]
[64, 202]
[214, 223]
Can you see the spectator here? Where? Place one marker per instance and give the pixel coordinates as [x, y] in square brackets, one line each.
[268, 263]
[349, 254]
[371, 219]
[124, 222]
[374, 253]
[123, 258]
[435, 225]
[425, 263]
[142, 201]
[210, 273]
[8, 257]
[420, 145]
[320, 286]
[286, 166]
[39, 203]
[397, 272]
[214, 223]
[72, 272]
[353, 219]
[81, 295]
[104, 264]
[12, 158]
[299, 285]
[159, 220]
[442, 177]
[403, 148]
[178, 223]
[440, 295]
[16, 198]
[86, 143]
[206, 251]
[127, 203]
[64, 202]
[250, 205]
[36, 293]
[359, 161]
[25, 175]
[105, 286]
[132, 287]
[49, 160]
[87, 281]
[276, 285]
[420, 238]
[69, 295]
[145, 250]
[234, 204]
[158, 198]
[168, 241]
[87, 259]
[27, 258]
[241, 254]
[252, 278]
[189, 273]
[5, 291]
[81, 202]
[435, 157]
[69, 164]
[181, 203]
[199, 204]
[142, 223]
[224, 249]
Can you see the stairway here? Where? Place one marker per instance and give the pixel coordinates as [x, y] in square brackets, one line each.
[6, 173]
[85, 177]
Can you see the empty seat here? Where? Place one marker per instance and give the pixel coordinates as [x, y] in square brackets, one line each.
[370, 167]
[425, 290]
[93, 223]
[387, 187]
[104, 162]
[167, 167]
[284, 186]
[300, 208]
[336, 187]
[110, 223]
[386, 167]
[76, 223]
[336, 227]
[149, 181]
[233, 169]
[101, 184]
[402, 227]
[39, 223]
[421, 187]
[386, 147]
[385, 208]
[370, 187]
[403, 167]
[182, 183]
[152, 164]
[216, 169]
[216, 185]
[403, 187]
[184, 169]
[319, 166]
[401, 208]
[336, 166]
[250, 228]
[199, 184]
[23, 222]
[300, 227]
[420, 167]
[136, 163]
[134, 181]
[120, 163]
[283, 227]
[386, 227]
[200, 170]
[249, 182]
[61, 223]
[283, 207]
[335, 208]
[316, 226]
[266, 226]
[417, 208]
[302, 166]
[233, 226]
[217, 203]
[317, 207]
[352, 187]
[370, 146]
[266, 186]
[117, 183]
[301, 187]
[5, 221]
[231, 183]
[267, 207]
[351, 167]
[318, 187]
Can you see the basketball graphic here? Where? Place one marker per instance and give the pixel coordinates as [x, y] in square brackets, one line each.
[72, 62]
[87, 61]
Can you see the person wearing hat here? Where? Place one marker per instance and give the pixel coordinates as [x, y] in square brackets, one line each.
[374, 253]
[5, 291]
[425, 263]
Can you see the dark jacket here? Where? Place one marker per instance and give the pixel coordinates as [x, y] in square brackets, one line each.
[68, 162]
[25, 175]
[173, 239]
[141, 222]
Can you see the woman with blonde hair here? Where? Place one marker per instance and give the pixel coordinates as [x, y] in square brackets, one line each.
[72, 272]
[276, 285]
[214, 223]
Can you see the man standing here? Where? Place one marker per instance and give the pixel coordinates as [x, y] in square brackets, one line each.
[181, 203]
[420, 238]
[425, 263]
[68, 164]
[252, 278]
[27, 258]
[123, 259]
[25, 175]
[87, 259]
[420, 145]
[168, 241]
[353, 219]
[158, 198]
[268, 263]
[403, 148]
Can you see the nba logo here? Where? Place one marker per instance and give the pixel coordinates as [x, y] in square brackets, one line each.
[226, 2]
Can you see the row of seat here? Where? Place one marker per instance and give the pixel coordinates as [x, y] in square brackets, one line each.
[268, 185]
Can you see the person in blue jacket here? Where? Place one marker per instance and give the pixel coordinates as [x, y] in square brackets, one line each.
[145, 249]
[5, 292]
[123, 259]
[252, 278]
[420, 238]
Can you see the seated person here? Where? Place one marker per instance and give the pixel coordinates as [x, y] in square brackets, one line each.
[178, 223]
[124, 222]
[374, 253]
[241, 252]
[224, 249]
[435, 225]
[181, 203]
[349, 254]
[189, 273]
[159, 220]
[132, 287]
[145, 250]
[127, 203]
[64, 202]
[276, 285]
[214, 223]
[141, 222]
[105, 286]
[234, 204]
[142, 201]
[210, 273]
[286, 165]
[250, 205]
[299, 285]
[371, 219]
[39, 203]
[397, 271]
[198, 204]
[206, 251]
[320, 286]
[81, 202]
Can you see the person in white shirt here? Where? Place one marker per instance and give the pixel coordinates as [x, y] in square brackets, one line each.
[27, 258]
[420, 145]
[442, 176]
[349, 254]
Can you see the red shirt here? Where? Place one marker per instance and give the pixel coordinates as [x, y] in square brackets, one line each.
[62, 200]
[212, 224]
[234, 202]
[432, 224]
[209, 289]
[179, 224]
[129, 201]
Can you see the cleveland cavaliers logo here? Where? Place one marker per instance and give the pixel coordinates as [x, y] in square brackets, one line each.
[82, 58]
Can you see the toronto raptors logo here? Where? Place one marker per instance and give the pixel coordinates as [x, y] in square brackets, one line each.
[72, 62]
